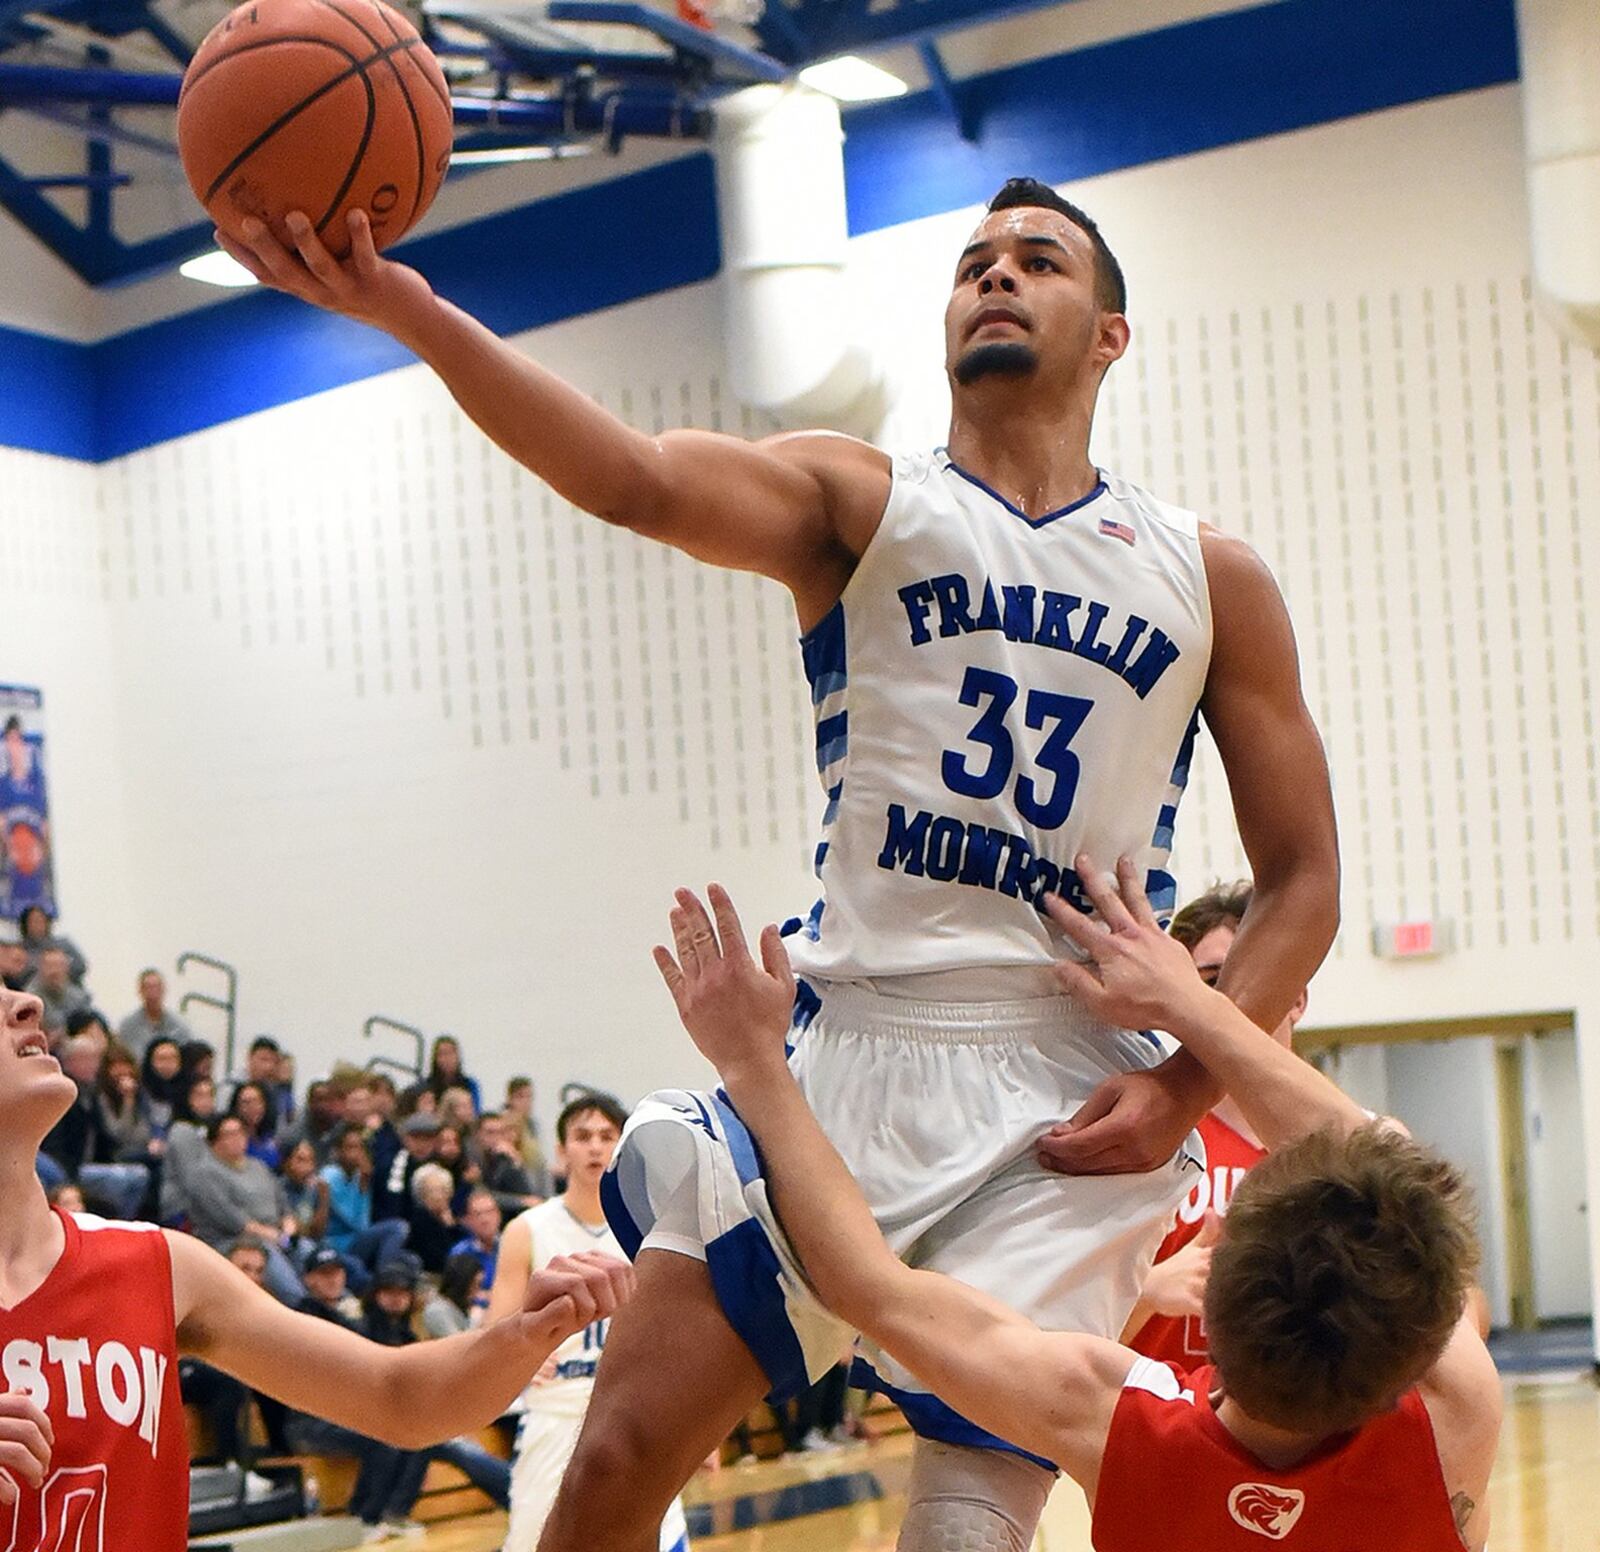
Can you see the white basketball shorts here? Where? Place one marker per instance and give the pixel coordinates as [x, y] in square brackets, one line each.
[936, 1108]
[546, 1438]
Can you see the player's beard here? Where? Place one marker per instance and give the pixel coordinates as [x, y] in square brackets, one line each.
[999, 358]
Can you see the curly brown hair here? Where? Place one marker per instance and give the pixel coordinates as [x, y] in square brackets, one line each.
[1342, 1271]
[1222, 905]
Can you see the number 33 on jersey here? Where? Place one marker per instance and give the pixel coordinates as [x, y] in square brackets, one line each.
[994, 694]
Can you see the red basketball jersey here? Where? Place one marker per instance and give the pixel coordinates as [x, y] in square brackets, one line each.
[1181, 1339]
[1174, 1478]
[95, 1348]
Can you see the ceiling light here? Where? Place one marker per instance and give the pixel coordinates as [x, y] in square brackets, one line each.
[852, 79]
[217, 269]
[492, 155]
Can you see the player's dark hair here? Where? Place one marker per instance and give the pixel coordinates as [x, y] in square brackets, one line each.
[461, 1271]
[1111, 288]
[81, 1018]
[1222, 905]
[1343, 1269]
[221, 1119]
[606, 1104]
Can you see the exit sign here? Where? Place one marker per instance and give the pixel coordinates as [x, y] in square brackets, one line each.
[1413, 939]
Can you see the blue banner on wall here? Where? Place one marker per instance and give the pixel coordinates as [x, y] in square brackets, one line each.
[27, 863]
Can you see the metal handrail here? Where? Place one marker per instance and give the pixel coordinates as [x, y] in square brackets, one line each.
[227, 1005]
[369, 1028]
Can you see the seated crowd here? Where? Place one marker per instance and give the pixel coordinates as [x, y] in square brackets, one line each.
[358, 1200]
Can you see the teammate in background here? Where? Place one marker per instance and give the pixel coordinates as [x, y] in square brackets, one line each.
[1168, 1321]
[1351, 1396]
[1007, 648]
[95, 1377]
[553, 1406]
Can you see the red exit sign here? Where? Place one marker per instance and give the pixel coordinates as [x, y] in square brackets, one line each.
[1413, 939]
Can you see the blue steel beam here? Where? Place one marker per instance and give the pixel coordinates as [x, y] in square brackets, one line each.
[833, 27]
[21, 84]
[618, 115]
[728, 60]
[946, 90]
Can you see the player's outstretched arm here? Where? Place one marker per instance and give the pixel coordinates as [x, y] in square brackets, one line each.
[1278, 774]
[406, 1396]
[796, 508]
[1051, 1394]
[1137, 976]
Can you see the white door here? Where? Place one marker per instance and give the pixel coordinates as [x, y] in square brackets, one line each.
[1558, 1210]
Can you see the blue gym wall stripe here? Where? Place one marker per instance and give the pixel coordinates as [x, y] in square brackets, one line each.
[47, 395]
[1193, 87]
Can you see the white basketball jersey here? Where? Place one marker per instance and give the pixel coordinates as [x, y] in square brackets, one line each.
[556, 1232]
[993, 695]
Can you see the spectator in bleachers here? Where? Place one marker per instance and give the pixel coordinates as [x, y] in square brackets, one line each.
[53, 985]
[125, 1131]
[322, 1121]
[364, 1244]
[251, 1105]
[38, 932]
[456, 1108]
[305, 1194]
[434, 1230]
[445, 1071]
[457, 1304]
[391, 1191]
[90, 1024]
[283, 1090]
[186, 1145]
[14, 967]
[450, 1149]
[161, 1079]
[199, 1061]
[500, 1166]
[261, 1068]
[418, 1099]
[78, 1146]
[519, 1120]
[228, 1193]
[383, 1136]
[481, 1220]
[152, 1019]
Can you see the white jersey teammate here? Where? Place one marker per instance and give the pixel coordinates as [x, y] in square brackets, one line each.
[553, 1406]
[1006, 648]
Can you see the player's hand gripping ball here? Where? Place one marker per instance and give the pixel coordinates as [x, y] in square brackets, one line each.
[323, 106]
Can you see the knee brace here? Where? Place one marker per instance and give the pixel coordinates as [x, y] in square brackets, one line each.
[970, 1500]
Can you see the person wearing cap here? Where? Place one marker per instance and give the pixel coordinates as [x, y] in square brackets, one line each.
[391, 1190]
[327, 1289]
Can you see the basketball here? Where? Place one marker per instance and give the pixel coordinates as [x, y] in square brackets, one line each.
[323, 106]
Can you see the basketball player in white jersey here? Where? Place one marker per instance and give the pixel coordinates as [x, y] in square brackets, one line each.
[587, 1133]
[1007, 649]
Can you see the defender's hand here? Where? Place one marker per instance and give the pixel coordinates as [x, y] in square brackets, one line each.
[364, 286]
[734, 1009]
[573, 1292]
[1177, 1286]
[1135, 975]
[26, 1440]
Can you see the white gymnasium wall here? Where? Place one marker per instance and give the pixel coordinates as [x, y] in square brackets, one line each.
[402, 734]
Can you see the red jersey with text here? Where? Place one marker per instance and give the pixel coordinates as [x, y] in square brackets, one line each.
[1378, 1487]
[1181, 1339]
[94, 1346]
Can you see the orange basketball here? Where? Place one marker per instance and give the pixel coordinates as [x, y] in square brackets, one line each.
[324, 106]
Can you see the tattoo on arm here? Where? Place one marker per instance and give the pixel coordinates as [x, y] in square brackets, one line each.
[1461, 1506]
